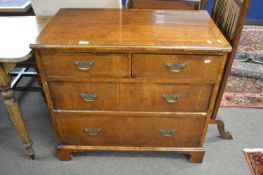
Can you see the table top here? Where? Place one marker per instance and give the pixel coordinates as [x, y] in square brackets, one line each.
[14, 6]
[16, 34]
[132, 29]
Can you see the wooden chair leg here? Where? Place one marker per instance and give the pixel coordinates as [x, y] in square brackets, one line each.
[221, 128]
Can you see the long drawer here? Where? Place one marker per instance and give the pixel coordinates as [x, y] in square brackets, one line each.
[130, 96]
[130, 131]
[179, 67]
[96, 65]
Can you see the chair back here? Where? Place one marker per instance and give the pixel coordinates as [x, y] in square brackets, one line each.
[50, 7]
[166, 4]
[203, 4]
[229, 15]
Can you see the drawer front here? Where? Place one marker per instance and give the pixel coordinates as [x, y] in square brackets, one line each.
[130, 97]
[178, 67]
[70, 65]
[79, 130]
[130, 131]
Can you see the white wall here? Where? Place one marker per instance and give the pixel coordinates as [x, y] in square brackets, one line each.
[50, 7]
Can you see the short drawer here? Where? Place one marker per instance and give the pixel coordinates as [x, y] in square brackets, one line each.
[130, 96]
[83, 130]
[178, 67]
[130, 131]
[74, 65]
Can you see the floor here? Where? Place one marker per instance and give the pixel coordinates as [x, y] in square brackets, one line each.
[223, 157]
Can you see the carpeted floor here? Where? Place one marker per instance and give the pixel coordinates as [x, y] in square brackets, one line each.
[243, 92]
[249, 57]
[244, 86]
[223, 157]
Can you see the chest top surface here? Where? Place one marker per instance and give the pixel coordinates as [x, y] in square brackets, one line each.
[130, 28]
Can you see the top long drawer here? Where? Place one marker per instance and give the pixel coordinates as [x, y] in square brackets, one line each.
[98, 65]
[179, 67]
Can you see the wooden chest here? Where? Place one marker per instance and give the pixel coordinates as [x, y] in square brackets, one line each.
[131, 80]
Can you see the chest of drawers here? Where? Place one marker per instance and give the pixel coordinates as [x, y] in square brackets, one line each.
[138, 83]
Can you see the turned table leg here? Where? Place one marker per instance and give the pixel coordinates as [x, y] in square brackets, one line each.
[14, 111]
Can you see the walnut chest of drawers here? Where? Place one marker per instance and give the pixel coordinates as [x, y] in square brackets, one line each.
[131, 80]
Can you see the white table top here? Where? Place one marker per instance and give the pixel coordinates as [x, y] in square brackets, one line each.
[16, 35]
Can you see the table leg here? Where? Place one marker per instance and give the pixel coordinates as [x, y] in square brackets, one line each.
[12, 106]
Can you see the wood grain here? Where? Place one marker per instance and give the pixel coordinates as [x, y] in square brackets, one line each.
[12, 106]
[105, 65]
[129, 109]
[130, 131]
[132, 29]
[204, 68]
[64, 152]
[244, 6]
[130, 97]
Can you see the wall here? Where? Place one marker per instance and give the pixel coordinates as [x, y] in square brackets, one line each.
[255, 12]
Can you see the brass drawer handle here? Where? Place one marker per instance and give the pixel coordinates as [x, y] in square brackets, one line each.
[84, 65]
[167, 133]
[173, 98]
[89, 97]
[175, 67]
[92, 131]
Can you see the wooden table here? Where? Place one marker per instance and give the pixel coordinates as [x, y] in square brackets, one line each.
[131, 80]
[16, 34]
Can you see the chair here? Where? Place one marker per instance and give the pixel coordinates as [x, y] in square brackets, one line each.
[230, 16]
[50, 7]
[166, 4]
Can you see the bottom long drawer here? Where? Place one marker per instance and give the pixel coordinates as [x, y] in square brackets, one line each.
[130, 131]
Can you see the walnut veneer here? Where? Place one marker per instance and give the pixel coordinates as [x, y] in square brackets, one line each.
[131, 80]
